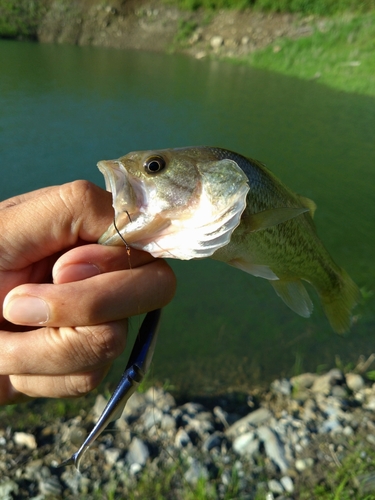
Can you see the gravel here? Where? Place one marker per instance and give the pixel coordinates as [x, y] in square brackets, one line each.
[300, 426]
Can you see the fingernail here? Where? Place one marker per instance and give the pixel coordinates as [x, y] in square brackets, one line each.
[26, 310]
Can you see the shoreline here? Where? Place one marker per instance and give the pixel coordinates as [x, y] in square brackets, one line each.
[335, 51]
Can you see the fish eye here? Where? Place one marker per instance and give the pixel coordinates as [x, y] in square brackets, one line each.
[154, 164]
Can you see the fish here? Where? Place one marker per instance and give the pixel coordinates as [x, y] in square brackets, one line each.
[199, 201]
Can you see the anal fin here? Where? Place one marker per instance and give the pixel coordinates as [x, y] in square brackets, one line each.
[295, 296]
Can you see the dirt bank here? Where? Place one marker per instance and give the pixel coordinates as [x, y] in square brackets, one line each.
[157, 26]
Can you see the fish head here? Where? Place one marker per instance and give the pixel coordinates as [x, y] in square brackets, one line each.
[180, 203]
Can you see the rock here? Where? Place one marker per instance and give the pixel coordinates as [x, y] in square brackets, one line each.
[213, 441]
[191, 408]
[100, 404]
[274, 448]
[135, 468]
[8, 489]
[226, 478]
[25, 439]
[201, 426]
[303, 463]
[112, 455]
[331, 425]
[348, 430]
[73, 434]
[221, 415]
[138, 452]
[354, 381]
[275, 486]
[152, 416]
[303, 381]
[182, 439]
[216, 42]
[50, 486]
[200, 55]
[287, 483]
[168, 423]
[339, 391]
[309, 410]
[135, 406]
[195, 472]
[160, 399]
[282, 386]
[370, 403]
[32, 469]
[324, 383]
[255, 418]
[195, 37]
[72, 478]
[246, 444]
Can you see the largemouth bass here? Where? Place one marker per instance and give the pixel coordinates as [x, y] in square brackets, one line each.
[199, 202]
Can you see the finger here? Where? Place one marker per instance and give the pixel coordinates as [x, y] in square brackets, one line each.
[61, 351]
[57, 219]
[16, 200]
[8, 394]
[57, 386]
[92, 301]
[90, 260]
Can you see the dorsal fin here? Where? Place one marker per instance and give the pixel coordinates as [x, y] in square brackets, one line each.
[310, 204]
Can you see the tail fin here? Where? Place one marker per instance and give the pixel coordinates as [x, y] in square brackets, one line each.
[339, 304]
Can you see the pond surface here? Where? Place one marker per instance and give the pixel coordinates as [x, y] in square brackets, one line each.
[64, 108]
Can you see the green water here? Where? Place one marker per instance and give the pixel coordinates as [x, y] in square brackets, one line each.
[63, 108]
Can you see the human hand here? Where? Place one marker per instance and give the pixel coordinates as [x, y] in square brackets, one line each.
[70, 297]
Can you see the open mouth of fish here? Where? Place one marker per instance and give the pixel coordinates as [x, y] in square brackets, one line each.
[127, 193]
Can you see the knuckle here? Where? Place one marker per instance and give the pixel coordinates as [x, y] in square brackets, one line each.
[78, 188]
[79, 385]
[105, 342]
[81, 190]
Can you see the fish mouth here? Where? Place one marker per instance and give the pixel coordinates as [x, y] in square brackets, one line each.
[127, 198]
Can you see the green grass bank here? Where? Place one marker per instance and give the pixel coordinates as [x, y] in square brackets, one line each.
[340, 53]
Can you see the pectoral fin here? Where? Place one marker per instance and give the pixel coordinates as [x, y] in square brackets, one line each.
[295, 296]
[256, 270]
[269, 218]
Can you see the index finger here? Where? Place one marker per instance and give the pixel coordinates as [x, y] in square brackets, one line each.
[55, 219]
[20, 198]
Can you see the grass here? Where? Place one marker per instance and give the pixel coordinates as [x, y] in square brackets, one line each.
[185, 31]
[354, 478]
[20, 18]
[340, 53]
[305, 7]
